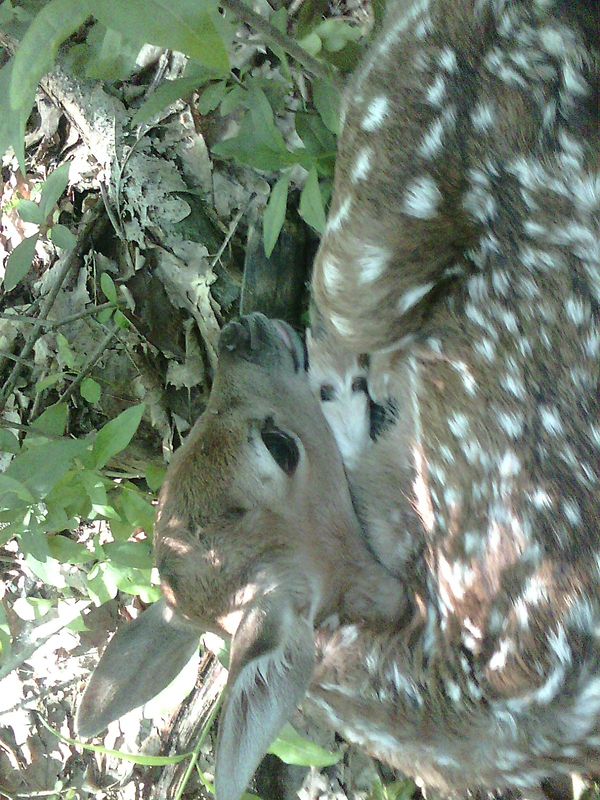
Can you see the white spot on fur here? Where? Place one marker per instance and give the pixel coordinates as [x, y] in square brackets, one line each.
[376, 113]
[362, 165]
[447, 59]
[437, 90]
[341, 325]
[336, 221]
[571, 511]
[551, 420]
[432, 140]
[412, 296]
[483, 117]
[458, 424]
[372, 263]
[422, 198]
[331, 274]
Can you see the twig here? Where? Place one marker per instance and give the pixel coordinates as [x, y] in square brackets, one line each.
[231, 230]
[54, 323]
[196, 751]
[83, 241]
[89, 365]
[18, 359]
[270, 33]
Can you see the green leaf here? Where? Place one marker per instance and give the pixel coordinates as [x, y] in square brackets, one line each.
[311, 203]
[166, 94]
[116, 435]
[110, 55]
[19, 262]
[121, 320]
[8, 486]
[263, 120]
[34, 541]
[62, 237]
[327, 102]
[67, 551]
[317, 139]
[9, 443]
[274, 216]
[101, 584]
[12, 121]
[138, 511]
[29, 212]
[129, 554]
[48, 381]
[232, 101]
[53, 188]
[53, 420]
[65, 354]
[108, 287]
[54, 23]
[292, 748]
[41, 467]
[211, 97]
[184, 25]
[154, 476]
[90, 390]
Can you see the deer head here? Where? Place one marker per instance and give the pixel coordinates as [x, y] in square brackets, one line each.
[256, 538]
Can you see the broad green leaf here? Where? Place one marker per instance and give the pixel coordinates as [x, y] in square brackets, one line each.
[292, 748]
[49, 571]
[121, 320]
[12, 121]
[54, 23]
[263, 120]
[41, 467]
[53, 188]
[53, 420]
[184, 25]
[116, 434]
[155, 476]
[90, 390]
[65, 354]
[274, 215]
[327, 102]
[48, 381]
[62, 237]
[34, 541]
[11, 486]
[129, 554]
[166, 94]
[317, 139]
[138, 511]
[212, 96]
[232, 101]
[102, 584]
[67, 551]
[110, 55]
[30, 212]
[96, 490]
[311, 43]
[19, 262]
[311, 203]
[108, 287]
[10, 444]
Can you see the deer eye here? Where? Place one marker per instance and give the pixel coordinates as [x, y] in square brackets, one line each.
[281, 446]
[359, 385]
[327, 392]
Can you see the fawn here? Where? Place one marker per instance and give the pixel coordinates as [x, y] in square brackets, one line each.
[448, 620]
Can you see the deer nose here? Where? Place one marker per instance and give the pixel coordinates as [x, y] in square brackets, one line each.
[236, 337]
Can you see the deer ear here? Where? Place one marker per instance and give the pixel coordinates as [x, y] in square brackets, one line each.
[139, 661]
[272, 659]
